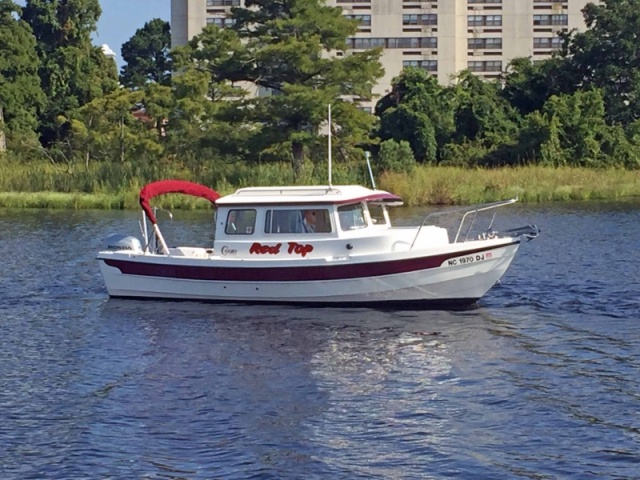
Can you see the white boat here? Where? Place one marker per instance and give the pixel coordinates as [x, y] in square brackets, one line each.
[323, 245]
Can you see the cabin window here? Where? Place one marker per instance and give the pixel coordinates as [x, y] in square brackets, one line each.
[351, 217]
[307, 220]
[240, 222]
[376, 212]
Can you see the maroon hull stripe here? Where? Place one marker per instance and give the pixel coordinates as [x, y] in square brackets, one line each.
[289, 274]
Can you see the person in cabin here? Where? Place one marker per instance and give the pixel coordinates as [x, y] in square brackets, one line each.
[309, 221]
[232, 222]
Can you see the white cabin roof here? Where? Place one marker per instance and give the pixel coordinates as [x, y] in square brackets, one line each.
[337, 194]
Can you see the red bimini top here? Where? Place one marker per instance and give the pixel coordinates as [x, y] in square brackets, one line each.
[173, 186]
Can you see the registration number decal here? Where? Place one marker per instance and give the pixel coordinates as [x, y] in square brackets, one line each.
[467, 259]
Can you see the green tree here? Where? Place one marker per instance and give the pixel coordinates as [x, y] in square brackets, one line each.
[619, 147]
[73, 72]
[284, 50]
[205, 121]
[21, 96]
[480, 113]
[607, 56]
[395, 157]
[577, 128]
[528, 85]
[158, 102]
[418, 110]
[105, 129]
[486, 126]
[147, 55]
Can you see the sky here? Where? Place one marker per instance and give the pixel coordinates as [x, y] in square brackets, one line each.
[121, 18]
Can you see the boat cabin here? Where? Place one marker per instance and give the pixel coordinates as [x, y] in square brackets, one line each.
[302, 221]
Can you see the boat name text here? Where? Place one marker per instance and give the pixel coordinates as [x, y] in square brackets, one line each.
[300, 248]
[228, 251]
[259, 249]
[293, 248]
[469, 259]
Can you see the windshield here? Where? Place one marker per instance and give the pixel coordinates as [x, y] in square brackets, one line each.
[351, 216]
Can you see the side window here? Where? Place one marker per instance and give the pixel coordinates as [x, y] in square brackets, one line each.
[240, 222]
[351, 217]
[308, 220]
[283, 221]
[316, 220]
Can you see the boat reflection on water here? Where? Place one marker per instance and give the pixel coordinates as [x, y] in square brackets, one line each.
[263, 380]
[329, 343]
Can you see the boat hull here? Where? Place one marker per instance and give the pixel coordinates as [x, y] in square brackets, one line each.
[456, 277]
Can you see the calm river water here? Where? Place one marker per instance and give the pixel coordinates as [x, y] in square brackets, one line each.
[541, 381]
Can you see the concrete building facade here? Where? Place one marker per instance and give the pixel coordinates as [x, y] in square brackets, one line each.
[441, 36]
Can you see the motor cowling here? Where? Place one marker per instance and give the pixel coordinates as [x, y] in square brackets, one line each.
[118, 242]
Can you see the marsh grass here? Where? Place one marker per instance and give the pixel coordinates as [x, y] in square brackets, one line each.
[77, 201]
[116, 186]
[458, 186]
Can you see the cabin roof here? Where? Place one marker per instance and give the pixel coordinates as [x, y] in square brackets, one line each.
[306, 195]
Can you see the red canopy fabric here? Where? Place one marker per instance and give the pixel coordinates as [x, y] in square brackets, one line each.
[173, 186]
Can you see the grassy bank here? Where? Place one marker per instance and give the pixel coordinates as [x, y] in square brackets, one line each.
[455, 186]
[117, 187]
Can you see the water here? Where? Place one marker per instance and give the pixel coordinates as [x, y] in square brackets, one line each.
[540, 381]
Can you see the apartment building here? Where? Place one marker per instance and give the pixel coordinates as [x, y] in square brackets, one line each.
[441, 36]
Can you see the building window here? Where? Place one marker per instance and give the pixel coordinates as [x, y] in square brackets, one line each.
[548, 42]
[426, 19]
[223, 3]
[428, 65]
[484, 43]
[488, 66]
[396, 42]
[484, 1]
[353, 1]
[366, 43]
[551, 19]
[365, 20]
[429, 42]
[484, 20]
[402, 42]
[221, 22]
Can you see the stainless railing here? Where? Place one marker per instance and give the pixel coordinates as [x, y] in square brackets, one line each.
[530, 231]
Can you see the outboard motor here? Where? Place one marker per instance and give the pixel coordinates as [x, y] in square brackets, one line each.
[122, 242]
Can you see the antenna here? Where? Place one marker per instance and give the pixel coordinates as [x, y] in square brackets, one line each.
[329, 141]
[373, 180]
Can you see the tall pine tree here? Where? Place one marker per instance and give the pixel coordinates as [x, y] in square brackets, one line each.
[287, 48]
[147, 55]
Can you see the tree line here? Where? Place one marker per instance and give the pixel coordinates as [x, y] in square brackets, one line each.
[64, 101]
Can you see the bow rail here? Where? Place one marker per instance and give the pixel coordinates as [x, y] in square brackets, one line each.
[530, 231]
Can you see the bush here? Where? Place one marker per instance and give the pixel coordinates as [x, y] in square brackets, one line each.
[396, 157]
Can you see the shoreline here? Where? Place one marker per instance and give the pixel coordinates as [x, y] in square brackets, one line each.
[424, 186]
